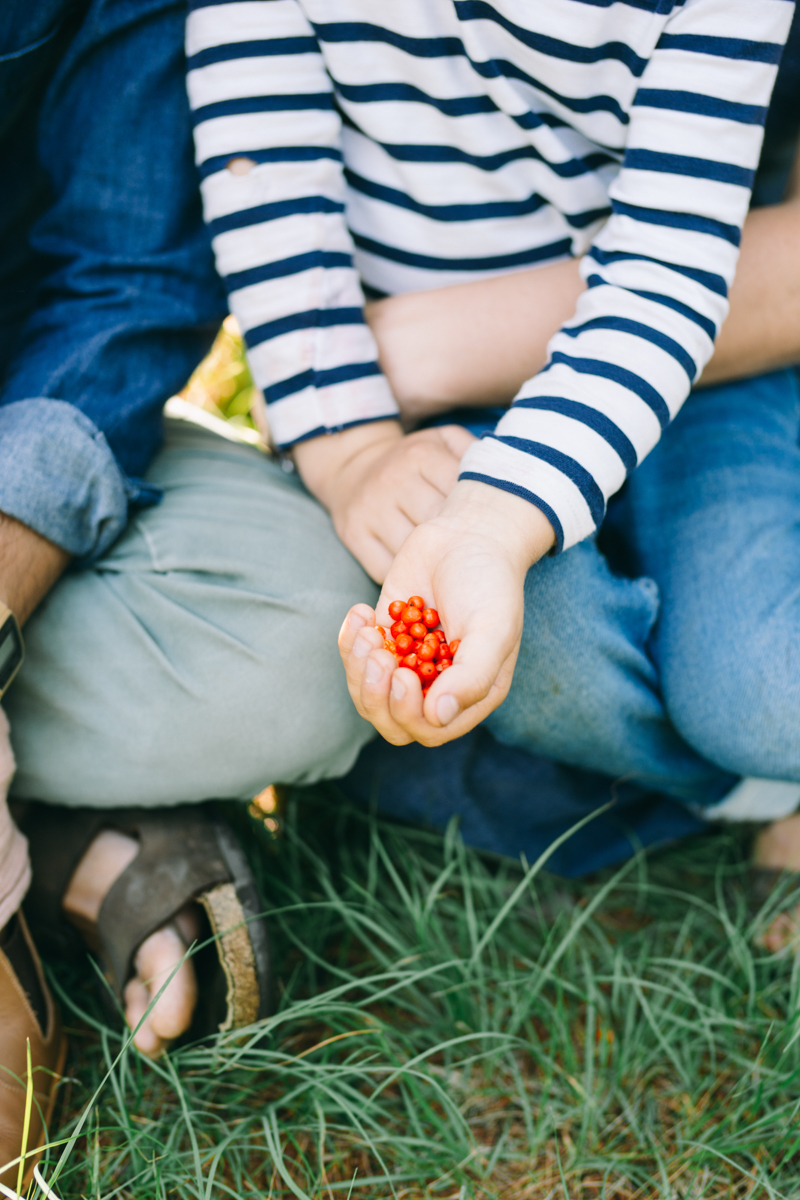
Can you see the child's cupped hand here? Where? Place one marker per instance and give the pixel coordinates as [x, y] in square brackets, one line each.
[469, 562]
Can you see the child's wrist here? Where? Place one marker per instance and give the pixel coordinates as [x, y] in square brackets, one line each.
[320, 461]
[519, 526]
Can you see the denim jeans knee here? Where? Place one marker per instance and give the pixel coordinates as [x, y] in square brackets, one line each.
[714, 514]
[585, 690]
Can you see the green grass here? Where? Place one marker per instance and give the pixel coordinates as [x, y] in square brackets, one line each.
[451, 1026]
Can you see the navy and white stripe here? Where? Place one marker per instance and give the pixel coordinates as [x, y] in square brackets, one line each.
[414, 145]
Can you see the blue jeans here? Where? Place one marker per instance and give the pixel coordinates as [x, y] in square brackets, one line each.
[108, 293]
[665, 654]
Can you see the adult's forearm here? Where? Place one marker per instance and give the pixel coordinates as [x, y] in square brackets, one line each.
[29, 566]
[474, 343]
[762, 331]
[477, 343]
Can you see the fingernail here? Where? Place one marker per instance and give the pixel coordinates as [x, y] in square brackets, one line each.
[373, 671]
[355, 621]
[447, 707]
[398, 688]
[361, 647]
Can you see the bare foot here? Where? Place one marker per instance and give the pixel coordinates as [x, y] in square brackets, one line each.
[102, 864]
[777, 846]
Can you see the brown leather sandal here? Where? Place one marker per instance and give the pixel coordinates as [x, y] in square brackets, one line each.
[185, 854]
[18, 1025]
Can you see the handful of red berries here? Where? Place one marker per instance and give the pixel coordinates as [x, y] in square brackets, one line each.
[416, 640]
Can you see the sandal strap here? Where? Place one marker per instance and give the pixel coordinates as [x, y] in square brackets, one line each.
[159, 882]
[185, 853]
[252, 911]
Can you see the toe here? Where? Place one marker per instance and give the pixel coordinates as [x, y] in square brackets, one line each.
[782, 932]
[156, 960]
[137, 998]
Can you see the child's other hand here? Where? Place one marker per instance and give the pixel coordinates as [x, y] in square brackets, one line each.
[469, 563]
[378, 484]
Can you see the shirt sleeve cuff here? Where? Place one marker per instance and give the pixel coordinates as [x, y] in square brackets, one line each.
[329, 406]
[59, 477]
[545, 484]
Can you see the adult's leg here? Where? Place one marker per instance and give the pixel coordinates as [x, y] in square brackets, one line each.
[714, 517]
[198, 657]
[586, 689]
[108, 293]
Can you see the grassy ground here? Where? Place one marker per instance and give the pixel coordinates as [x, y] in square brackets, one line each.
[448, 1026]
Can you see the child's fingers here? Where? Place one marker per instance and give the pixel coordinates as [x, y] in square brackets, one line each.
[355, 660]
[461, 697]
[360, 616]
[423, 502]
[440, 467]
[481, 673]
[369, 669]
[396, 525]
[377, 680]
[457, 439]
[371, 551]
[415, 720]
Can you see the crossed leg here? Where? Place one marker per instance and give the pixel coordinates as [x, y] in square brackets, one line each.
[196, 660]
[714, 516]
[685, 677]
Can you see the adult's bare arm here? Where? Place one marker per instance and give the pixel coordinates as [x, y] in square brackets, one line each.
[29, 566]
[473, 343]
[762, 331]
[477, 343]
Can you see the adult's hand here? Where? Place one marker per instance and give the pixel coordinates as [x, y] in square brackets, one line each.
[378, 484]
[470, 563]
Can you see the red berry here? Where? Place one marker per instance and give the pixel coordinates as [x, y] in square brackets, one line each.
[427, 672]
[405, 643]
[443, 651]
[454, 646]
[411, 614]
[440, 635]
[426, 652]
[430, 617]
[396, 609]
[442, 665]
[381, 631]
[398, 628]
[389, 645]
[417, 630]
[410, 661]
[416, 602]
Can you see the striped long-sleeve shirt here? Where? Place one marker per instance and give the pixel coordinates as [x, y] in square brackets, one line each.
[413, 144]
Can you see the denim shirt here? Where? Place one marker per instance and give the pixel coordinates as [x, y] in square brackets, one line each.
[108, 293]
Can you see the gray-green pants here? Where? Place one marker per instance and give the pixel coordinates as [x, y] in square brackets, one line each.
[198, 658]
